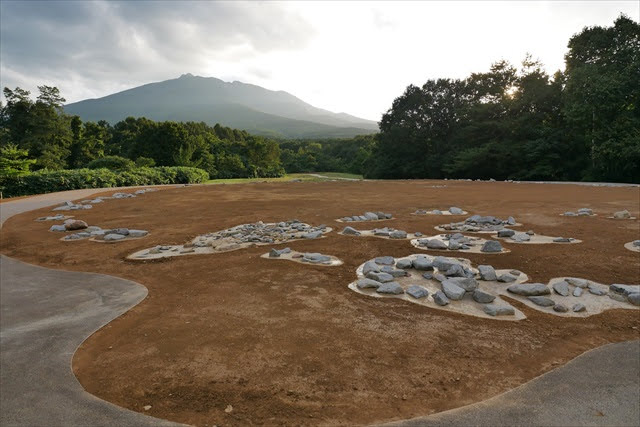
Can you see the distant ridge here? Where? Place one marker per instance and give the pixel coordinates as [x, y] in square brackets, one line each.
[237, 105]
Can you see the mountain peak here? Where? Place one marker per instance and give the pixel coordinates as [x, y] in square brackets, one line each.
[186, 75]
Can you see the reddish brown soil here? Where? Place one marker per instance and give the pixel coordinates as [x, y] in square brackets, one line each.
[287, 343]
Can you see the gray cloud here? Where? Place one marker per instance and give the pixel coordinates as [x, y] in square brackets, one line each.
[102, 44]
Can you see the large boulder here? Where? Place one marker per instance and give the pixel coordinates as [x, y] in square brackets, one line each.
[506, 233]
[482, 297]
[440, 298]
[371, 216]
[529, 289]
[368, 284]
[380, 276]
[561, 288]
[422, 264]
[392, 288]
[417, 292]
[370, 266]
[452, 290]
[542, 301]
[487, 272]
[491, 246]
[444, 263]
[497, 310]
[466, 283]
[75, 224]
[436, 244]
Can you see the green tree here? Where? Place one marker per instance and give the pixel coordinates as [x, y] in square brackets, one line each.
[14, 161]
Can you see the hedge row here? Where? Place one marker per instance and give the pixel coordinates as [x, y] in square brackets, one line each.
[61, 180]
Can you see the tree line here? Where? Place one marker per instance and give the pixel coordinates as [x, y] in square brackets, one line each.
[509, 123]
[38, 135]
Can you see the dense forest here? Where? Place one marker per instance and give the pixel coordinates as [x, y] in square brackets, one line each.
[506, 123]
[580, 124]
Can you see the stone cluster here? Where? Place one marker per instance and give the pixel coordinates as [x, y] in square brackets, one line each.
[309, 257]
[452, 211]
[367, 216]
[477, 223]
[580, 212]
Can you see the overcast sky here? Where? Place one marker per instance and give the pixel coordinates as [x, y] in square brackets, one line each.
[352, 57]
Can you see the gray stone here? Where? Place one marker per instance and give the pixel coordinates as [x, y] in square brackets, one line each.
[368, 284]
[428, 275]
[580, 283]
[560, 308]
[634, 298]
[380, 276]
[624, 289]
[562, 240]
[436, 244]
[487, 272]
[350, 231]
[58, 228]
[422, 264]
[440, 298]
[578, 308]
[436, 212]
[417, 234]
[398, 234]
[111, 237]
[370, 266]
[439, 277]
[506, 233]
[393, 271]
[622, 214]
[456, 211]
[371, 216]
[385, 260]
[577, 292]
[597, 291]
[138, 233]
[586, 211]
[568, 213]
[388, 216]
[497, 310]
[482, 297]
[312, 235]
[491, 246]
[531, 233]
[316, 258]
[404, 264]
[636, 243]
[121, 231]
[521, 237]
[454, 245]
[452, 290]
[529, 289]
[542, 301]
[417, 291]
[511, 220]
[617, 297]
[444, 263]
[466, 283]
[392, 288]
[507, 278]
[561, 288]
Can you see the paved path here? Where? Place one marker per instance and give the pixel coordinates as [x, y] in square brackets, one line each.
[44, 316]
[599, 388]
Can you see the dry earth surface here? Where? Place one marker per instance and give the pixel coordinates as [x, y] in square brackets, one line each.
[288, 343]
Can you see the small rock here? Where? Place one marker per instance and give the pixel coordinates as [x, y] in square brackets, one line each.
[436, 244]
[452, 290]
[580, 283]
[622, 214]
[398, 234]
[422, 264]
[370, 216]
[404, 264]
[146, 407]
[577, 292]
[75, 224]
[562, 240]
[624, 289]
[634, 298]
[578, 308]
[370, 266]
[385, 260]
[507, 278]
[58, 228]
[380, 276]
[312, 235]
[350, 231]
[506, 233]
[455, 211]
[111, 237]
[560, 308]
[521, 237]
[228, 409]
[138, 233]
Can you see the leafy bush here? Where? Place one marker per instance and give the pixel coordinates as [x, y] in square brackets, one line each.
[61, 180]
[115, 163]
[145, 162]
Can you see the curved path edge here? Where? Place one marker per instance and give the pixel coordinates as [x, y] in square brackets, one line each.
[600, 387]
[45, 316]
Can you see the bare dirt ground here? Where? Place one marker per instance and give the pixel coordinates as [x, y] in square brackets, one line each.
[287, 343]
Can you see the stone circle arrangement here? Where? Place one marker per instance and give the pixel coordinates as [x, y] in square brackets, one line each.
[451, 211]
[367, 216]
[479, 224]
[303, 257]
[459, 242]
[579, 212]
[237, 237]
[453, 284]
